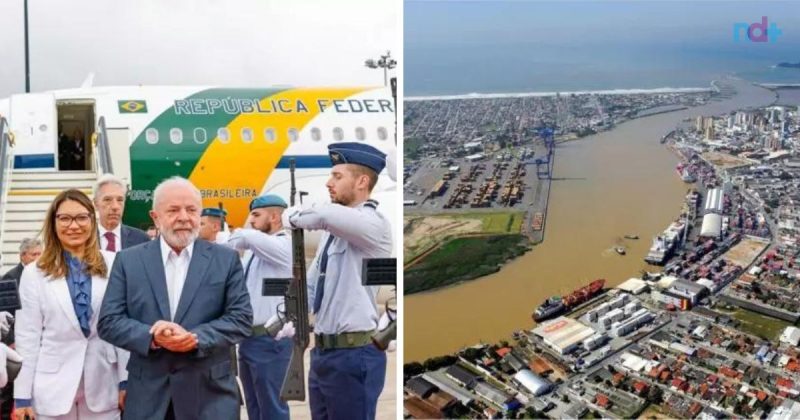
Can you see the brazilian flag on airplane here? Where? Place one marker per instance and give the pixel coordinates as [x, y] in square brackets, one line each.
[132, 107]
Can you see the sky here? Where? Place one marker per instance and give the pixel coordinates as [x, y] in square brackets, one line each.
[592, 22]
[196, 42]
[459, 47]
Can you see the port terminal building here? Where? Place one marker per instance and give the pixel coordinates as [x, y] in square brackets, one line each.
[563, 334]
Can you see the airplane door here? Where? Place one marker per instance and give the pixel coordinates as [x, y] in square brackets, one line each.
[33, 122]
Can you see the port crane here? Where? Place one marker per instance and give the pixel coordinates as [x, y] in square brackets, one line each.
[543, 165]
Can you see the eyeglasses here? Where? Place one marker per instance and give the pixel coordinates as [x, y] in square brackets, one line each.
[65, 220]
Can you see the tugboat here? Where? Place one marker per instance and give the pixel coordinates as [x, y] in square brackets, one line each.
[620, 250]
[557, 305]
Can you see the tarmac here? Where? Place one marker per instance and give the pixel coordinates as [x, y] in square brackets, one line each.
[387, 402]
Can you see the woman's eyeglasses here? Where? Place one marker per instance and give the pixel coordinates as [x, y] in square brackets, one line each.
[65, 220]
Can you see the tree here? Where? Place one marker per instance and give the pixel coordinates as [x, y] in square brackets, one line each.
[565, 398]
[531, 413]
[473, 353]
[438, 362]
[413, 369]
[655, 395]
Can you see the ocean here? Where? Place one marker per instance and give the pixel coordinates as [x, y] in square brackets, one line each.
[466, 47]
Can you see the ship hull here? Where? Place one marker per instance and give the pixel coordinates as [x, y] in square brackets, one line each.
[577, 297]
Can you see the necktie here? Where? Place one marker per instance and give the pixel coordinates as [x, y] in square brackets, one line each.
[323, 265]
[111, 241]
[249, 263]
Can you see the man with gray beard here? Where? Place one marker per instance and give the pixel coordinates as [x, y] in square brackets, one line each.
[177, 304]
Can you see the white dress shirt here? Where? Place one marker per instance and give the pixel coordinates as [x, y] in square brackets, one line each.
[176, 266]
[117, 237]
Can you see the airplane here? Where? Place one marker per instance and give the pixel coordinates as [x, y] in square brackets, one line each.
[232, 143]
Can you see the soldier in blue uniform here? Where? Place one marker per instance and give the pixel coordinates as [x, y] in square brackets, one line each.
[347, 371]
[211, 225]
[263, 360]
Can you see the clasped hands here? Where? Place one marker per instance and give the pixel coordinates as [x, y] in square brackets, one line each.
[172, 337]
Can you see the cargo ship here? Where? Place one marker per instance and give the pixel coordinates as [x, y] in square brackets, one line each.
[664, 244]
[686, 172]
[557, 305]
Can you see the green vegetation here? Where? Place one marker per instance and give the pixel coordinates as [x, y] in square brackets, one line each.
[436, 363]
[463, 259]
[501, 222]
[411, 147]
[758, 325]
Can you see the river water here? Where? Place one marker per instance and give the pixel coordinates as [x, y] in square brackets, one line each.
[604, 186]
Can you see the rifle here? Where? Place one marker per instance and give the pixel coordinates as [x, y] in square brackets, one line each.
[382, 272]
[296, 307]
[222, 211]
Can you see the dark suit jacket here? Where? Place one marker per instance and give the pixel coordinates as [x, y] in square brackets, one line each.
[132, 237]
[14, 274]
[214, 304]
[10, 297]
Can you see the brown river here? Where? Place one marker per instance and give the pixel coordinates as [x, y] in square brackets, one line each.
[604, 186]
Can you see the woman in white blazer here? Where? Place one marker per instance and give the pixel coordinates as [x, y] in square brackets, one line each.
[68, 372]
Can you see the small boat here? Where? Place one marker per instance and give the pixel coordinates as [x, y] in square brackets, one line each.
[631, 236]
[620, 250]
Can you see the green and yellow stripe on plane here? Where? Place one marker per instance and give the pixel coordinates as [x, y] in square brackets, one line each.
[230, 173]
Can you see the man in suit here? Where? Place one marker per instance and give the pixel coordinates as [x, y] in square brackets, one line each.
[109, 199]
[29, 250]
[77, 151]
[177, 304]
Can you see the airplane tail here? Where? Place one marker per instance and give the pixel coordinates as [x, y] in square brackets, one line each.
[88, 82]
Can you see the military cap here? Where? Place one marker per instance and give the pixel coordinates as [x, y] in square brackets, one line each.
[267, 200]
[358, 154]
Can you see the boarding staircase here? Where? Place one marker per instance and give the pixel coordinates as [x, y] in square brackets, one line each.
[26, 195]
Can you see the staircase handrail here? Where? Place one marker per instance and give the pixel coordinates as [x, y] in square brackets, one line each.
[6, 164]
[102, 152]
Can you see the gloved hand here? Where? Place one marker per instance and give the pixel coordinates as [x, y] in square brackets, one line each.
[383, 322]
[291, 211]
[5, 322]
[286, 332]
[6, 354]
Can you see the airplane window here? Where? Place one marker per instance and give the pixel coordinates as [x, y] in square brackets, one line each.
[224, 135]
[176, 135]
[293, 134]
[247, 135]
[200, 136]
[151, 135]
[338, 134]
[269, 135]
[382, 133]
[361, 134]
[316, 134]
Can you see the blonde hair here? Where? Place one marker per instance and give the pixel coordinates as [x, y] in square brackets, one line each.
[52, 261]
